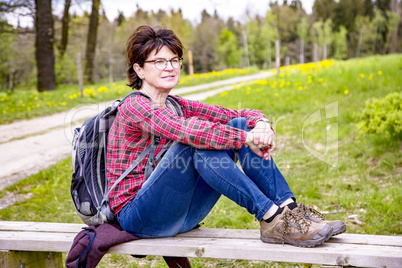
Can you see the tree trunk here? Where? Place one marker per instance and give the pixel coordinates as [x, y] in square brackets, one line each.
[44, 51]
[359, 43]
[315, 52]
[324, 49]
[245, 46]
[302, 51]
[64, 28]
[91, 42]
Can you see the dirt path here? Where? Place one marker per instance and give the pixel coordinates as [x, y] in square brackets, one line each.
[28, 146]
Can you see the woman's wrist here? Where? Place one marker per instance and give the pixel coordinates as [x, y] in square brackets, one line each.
[266, 123]
[250, 137]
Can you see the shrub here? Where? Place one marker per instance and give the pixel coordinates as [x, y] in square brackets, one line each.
[383, 116]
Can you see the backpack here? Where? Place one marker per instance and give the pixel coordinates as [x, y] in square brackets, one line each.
[89, 185]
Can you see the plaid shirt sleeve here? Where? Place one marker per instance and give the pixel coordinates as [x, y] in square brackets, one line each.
[216, 113]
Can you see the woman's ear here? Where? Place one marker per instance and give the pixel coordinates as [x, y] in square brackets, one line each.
[138, 70]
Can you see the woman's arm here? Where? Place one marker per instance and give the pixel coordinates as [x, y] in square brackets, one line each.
[216, 113]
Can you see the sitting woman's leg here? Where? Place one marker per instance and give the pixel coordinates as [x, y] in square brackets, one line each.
[264, 173]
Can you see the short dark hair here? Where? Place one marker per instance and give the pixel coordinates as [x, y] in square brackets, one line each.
[142, 42]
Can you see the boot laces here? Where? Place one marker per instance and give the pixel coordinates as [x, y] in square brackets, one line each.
[300, 223]
[309, 211]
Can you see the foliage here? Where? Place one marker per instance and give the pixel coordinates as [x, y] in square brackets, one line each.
[383, 116]
[340, 44]
[206, 41]
[302, 29]
[228, 48]
[255, 37]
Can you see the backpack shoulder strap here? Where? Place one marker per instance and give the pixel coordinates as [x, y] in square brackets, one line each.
[176, 105]
[130, 168]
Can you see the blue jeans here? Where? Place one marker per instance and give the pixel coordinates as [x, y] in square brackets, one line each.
[188, 182]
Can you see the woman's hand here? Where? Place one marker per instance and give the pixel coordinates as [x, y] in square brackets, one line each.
[261, 140]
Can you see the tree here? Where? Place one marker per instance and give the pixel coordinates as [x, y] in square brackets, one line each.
[269, 33]
[91, 41]
[64, 31]
[324, 9]
[380, 27]
[302, 30]
[340, 44]
[392, 37]
[327, 37]
[44, 45]
[317, 38]
[6, 47]
[120, 18]
[206, 38]
[228, 48]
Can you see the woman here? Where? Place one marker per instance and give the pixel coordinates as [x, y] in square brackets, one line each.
[199, 165]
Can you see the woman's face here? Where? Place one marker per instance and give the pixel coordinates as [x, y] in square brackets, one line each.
[154, 79]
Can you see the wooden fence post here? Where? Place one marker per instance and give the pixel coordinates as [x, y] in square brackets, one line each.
[79, 73]
[190, 64]
[278, 56]
[31, 259]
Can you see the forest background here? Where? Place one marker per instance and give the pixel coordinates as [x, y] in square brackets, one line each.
[46, 55]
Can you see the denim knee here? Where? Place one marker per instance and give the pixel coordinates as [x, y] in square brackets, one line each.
[239, 122]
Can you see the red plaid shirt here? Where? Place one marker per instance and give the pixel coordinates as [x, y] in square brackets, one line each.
[203, 126]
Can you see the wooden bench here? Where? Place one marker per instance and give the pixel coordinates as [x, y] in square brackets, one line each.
[28, 242]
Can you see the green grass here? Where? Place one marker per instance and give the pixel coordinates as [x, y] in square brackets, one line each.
[364, 179]
[26, 104]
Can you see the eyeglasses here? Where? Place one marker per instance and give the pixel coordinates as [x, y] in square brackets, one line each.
[161, 64]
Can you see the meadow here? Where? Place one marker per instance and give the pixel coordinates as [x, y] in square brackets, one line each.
[328, 161]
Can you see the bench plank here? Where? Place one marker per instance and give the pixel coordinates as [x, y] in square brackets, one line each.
[381, 240]
[247, 249]
[345, 249]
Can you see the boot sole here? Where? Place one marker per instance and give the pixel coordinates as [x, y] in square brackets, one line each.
[340, 231]
[297, 243]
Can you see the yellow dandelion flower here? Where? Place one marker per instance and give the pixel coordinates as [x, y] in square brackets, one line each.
[224, 93]
[346, 92]
[300, 88]
[362, 76]
[379, 72]
[370, 77]
[320, 80]
[276, 94]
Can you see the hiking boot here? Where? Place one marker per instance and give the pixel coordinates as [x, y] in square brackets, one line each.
[291, 228]
[313, 215]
